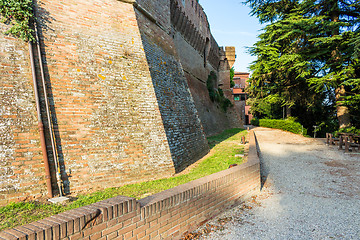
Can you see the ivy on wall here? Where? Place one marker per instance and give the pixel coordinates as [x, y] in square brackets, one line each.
[232, 74]
[217, 95]
[18, 14]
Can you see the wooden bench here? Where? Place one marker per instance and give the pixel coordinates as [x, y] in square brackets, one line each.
[348, 141]
[351, 142]
[331, 140]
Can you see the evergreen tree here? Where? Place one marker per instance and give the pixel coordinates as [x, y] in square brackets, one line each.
[310, 49]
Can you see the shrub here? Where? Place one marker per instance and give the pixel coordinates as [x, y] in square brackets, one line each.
[210, 84]
[347, 130]
[287, 125]
[18, 14]
[232, 74]
[255, 121]
[217, 95]
[225, 104]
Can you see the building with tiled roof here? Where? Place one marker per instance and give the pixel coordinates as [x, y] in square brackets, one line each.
[240, 95]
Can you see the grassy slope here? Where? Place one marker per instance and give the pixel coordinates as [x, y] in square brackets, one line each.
[223, 146]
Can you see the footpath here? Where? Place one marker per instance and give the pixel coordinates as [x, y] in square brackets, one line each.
[310, 191]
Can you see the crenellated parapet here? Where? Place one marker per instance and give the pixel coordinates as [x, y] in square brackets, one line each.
[189, 19]
[214, 56]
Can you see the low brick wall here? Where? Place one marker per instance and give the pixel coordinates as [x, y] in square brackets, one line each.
[165, 215]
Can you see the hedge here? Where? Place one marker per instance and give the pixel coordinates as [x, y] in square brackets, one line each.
[286, 125]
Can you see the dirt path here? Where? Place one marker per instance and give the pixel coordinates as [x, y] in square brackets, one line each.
[310, 191]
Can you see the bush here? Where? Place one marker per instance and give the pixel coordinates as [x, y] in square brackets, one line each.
[217, 95]
[18, 14]
[232, 74]
[210, 84]
[347, 130]
[287, 125]
[255, 121]
[225, 104]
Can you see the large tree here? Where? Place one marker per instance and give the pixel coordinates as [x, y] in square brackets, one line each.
[309, 49]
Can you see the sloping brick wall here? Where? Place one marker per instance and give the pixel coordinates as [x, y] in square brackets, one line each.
[127, 95]
[117, 119]
[166, 215]
[191, 30]
[184, 131]
[108, 127]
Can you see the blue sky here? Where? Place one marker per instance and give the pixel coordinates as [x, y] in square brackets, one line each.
[232, 25]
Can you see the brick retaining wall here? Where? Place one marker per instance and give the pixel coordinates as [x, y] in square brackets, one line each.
[165, 215]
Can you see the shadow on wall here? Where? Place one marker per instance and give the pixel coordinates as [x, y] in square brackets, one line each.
[43, 21]
[184, 131]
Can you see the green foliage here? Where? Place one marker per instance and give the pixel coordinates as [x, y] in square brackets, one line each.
[232, 74]
[18, 13]
[225, 146]
[308, 50]
[352, 100]
[287, 125]
[347, 130]
[215, 94]
[255, 121]
[210, 84]
[267, 107]
[225, 104]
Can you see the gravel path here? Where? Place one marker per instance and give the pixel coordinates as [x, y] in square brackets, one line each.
[311, 191]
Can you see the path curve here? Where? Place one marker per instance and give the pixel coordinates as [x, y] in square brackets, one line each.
[311, 191]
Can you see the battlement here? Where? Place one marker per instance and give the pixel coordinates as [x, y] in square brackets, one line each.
[190, 20]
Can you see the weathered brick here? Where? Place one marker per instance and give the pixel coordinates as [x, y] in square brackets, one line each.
[112, 229]
[139, 230]
[96, 235]
[127, 229]
[75, 236]
[94, 229]
[111, 235]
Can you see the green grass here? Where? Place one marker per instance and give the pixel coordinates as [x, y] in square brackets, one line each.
[224, 147]
[228, 135]
[16, 214]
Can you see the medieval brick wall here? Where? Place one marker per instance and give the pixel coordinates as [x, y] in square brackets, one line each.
[21, 168]
[127, 93]
[181, 121]
[107, 114]
[109, 129]
[191, 32]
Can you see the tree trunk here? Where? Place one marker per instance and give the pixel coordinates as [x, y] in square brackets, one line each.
[288, 111]
[342, 112]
